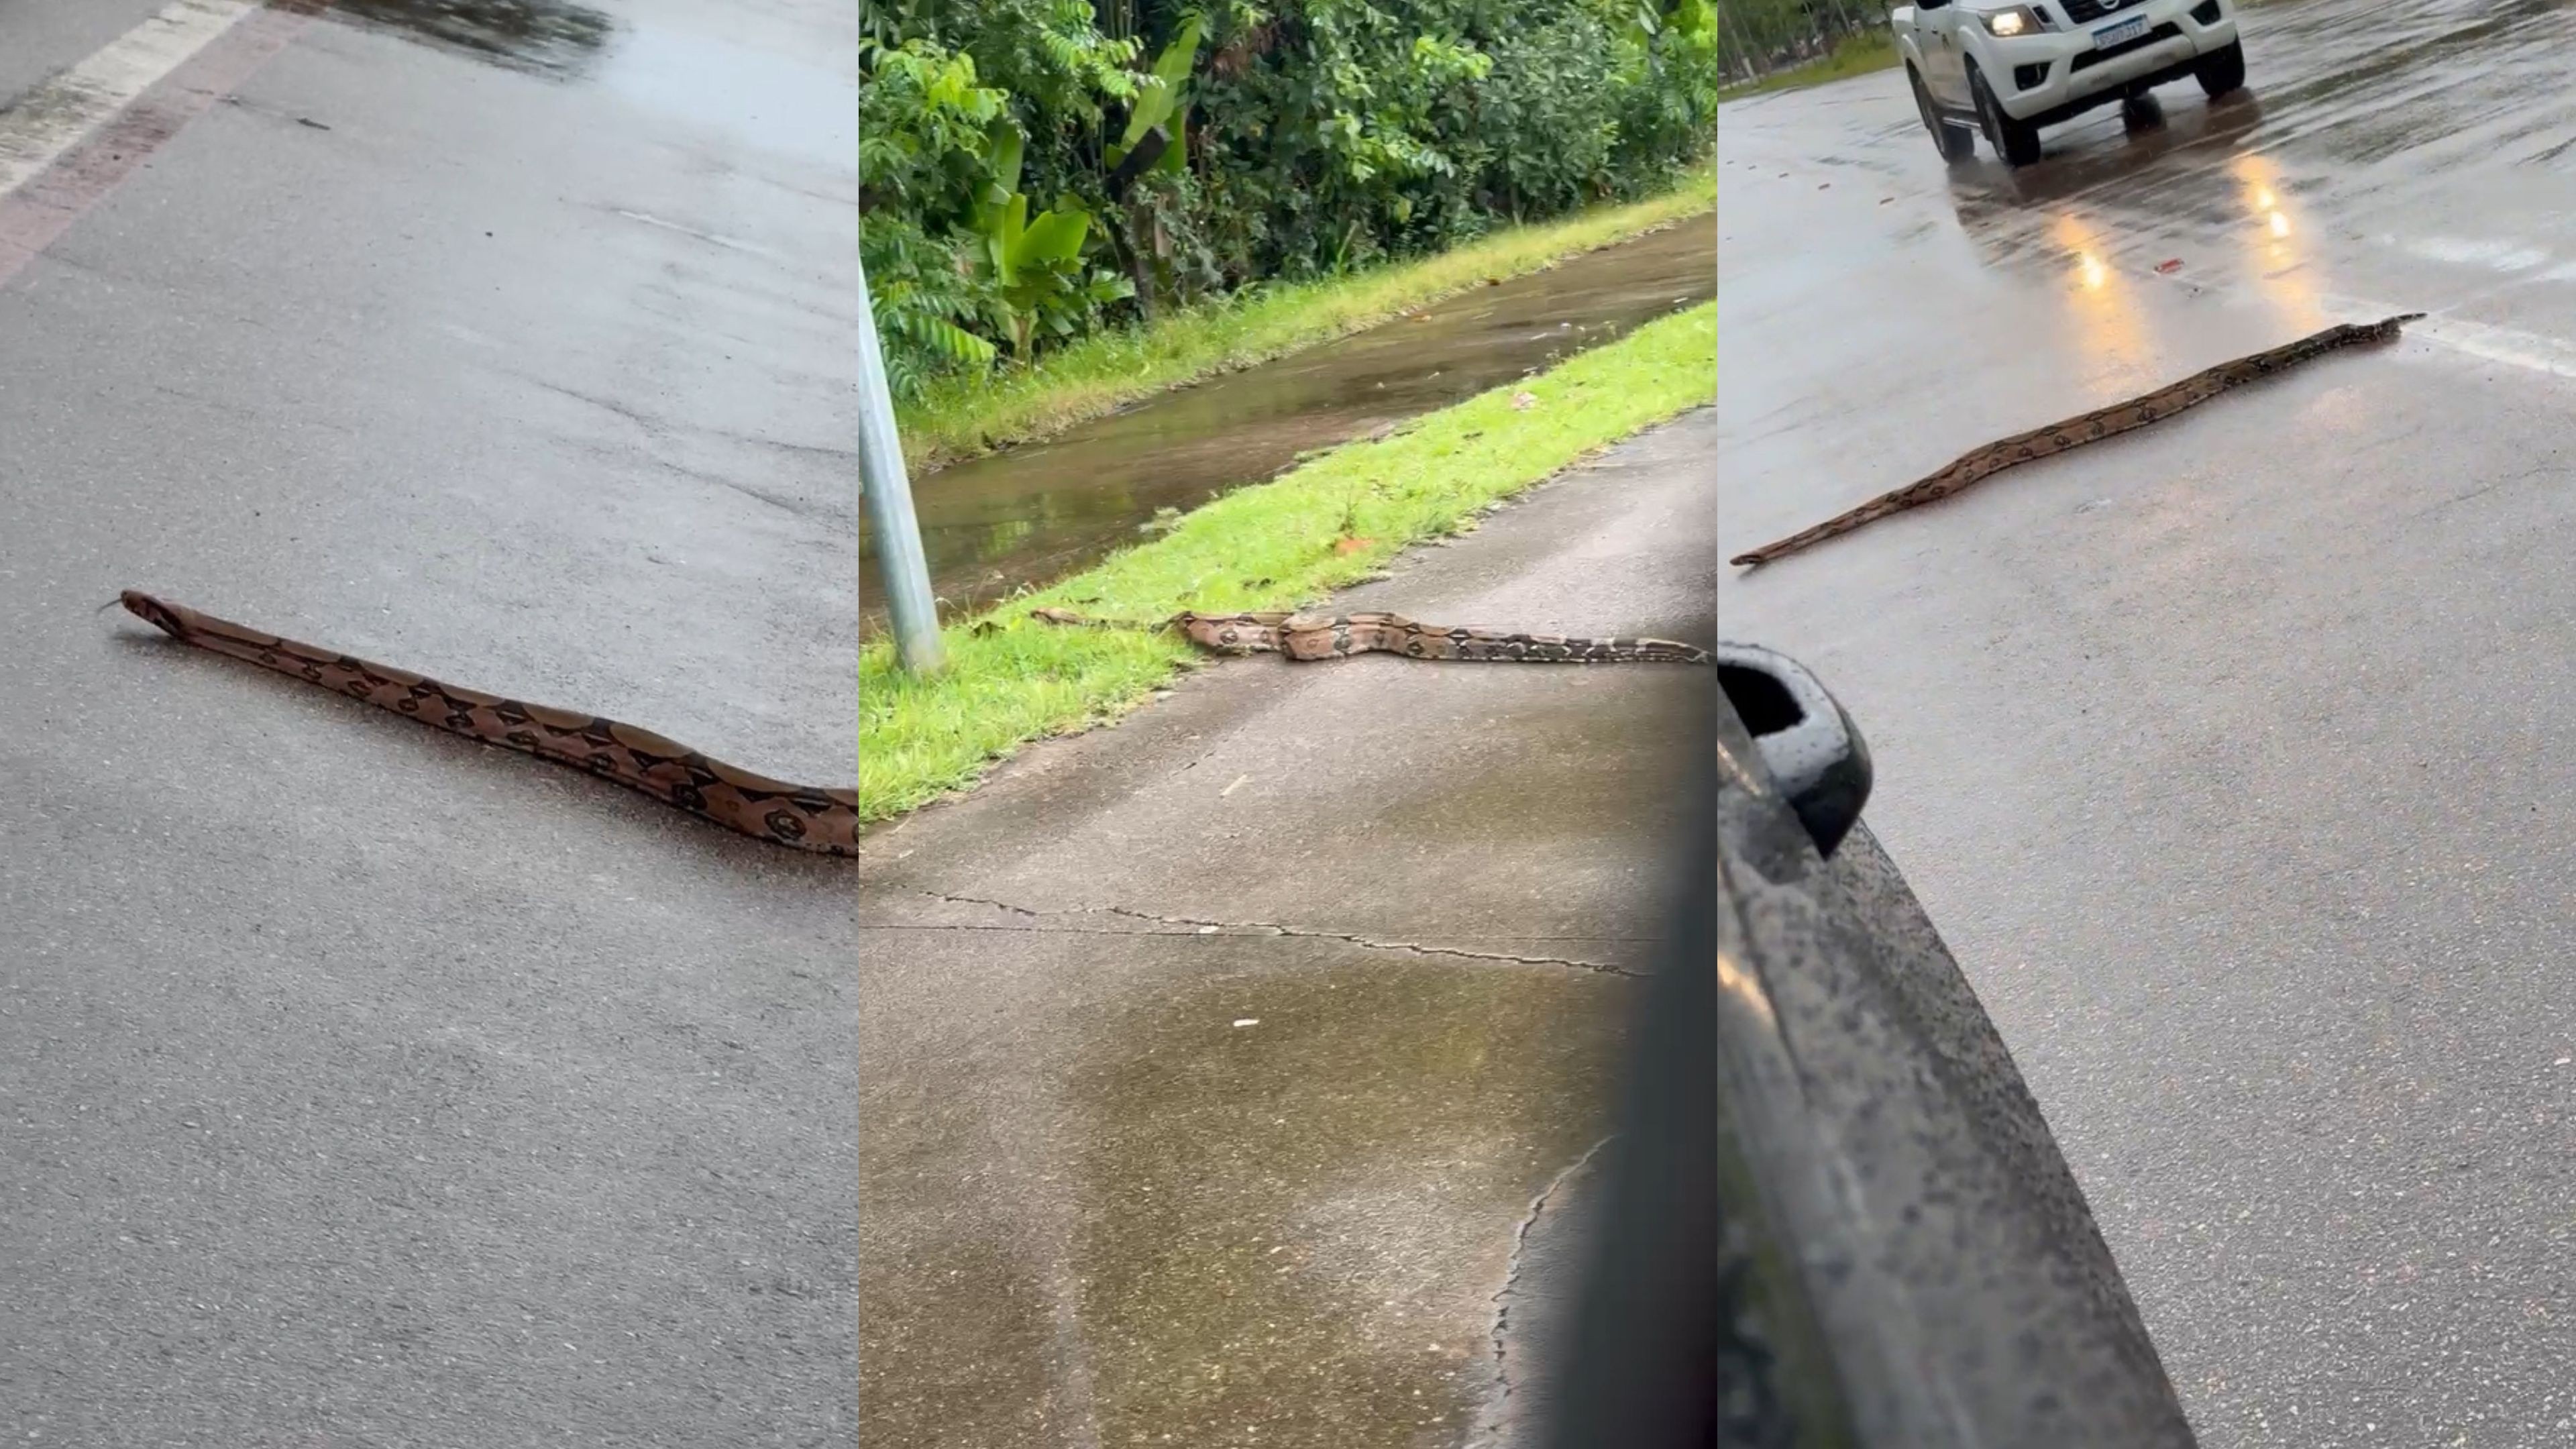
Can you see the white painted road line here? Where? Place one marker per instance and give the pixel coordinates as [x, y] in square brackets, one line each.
[2507, 345]
[64, 111]
[2486, 341]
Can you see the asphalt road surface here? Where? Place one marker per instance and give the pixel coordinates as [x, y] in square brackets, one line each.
[359, 1085]
[2232, 756]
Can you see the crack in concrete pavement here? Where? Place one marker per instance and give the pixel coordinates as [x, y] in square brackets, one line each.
[660, 427]
[1496, 1413]
[1272, 928]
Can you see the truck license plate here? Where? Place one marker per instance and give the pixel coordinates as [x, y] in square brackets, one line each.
[2110, 35]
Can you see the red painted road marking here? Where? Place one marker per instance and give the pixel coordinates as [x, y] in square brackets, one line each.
[43, 208]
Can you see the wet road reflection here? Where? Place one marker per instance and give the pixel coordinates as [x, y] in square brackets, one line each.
[1036, 514]
[2235, 747]
[2383, 159]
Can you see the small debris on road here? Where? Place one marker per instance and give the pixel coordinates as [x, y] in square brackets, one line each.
[2169, 266]
[1249, 1021]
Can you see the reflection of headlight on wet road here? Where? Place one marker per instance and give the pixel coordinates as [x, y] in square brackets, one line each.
[2093, 273]
[2280, 224]
[2264, 200]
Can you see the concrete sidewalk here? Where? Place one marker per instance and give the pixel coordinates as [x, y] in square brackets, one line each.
[1221, 1072]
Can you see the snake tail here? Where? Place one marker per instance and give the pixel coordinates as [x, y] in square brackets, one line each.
[801, 817]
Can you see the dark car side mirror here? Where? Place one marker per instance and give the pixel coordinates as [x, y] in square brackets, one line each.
[1810, 746]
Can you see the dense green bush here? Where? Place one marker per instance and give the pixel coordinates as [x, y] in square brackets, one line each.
[1301, 137]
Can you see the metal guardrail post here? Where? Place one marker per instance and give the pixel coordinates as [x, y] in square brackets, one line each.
[887, 496]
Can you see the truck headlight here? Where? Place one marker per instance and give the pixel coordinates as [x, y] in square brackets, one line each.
[2013, 20]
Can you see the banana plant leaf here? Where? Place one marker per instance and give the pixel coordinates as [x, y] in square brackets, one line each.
[1159, 101]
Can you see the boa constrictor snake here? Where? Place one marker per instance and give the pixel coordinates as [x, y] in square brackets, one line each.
[2137, 412]
[799, 816]
[1320, 636]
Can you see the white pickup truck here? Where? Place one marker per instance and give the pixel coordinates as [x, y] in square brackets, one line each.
[2007, 70]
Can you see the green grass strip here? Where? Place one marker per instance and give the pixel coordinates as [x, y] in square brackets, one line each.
[1276, 545]
[1872, 50]
[960, 417]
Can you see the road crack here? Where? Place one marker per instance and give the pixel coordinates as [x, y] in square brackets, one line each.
[1203, 927]
[1499, 1337]
[2483, 489]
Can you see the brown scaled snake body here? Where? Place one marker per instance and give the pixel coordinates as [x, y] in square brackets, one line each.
[802, 817]
[1321, 636]
[2092, 427]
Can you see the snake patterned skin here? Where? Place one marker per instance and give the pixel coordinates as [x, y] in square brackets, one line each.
[1319, 636]
[802, 817]
[2090, 427]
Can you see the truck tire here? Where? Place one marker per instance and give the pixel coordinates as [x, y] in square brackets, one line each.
[2015, 141]
[1954, 141]
[2222, 72]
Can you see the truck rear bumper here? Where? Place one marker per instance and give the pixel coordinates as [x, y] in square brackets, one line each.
[2068, 71]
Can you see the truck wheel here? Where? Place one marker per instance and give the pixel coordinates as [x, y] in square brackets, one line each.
[1954, 141]
[2222, 72]
[2015, 141]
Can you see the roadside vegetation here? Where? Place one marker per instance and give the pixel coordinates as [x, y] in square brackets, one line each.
[1860, 54]
[1037, 172]
[957, 415]
[1330, 523]
[1771, 45]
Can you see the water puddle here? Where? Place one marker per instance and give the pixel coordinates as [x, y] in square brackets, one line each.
[1033, 515]
[776, 97]
[1321, 1168]
[804, 106]
[547, 37]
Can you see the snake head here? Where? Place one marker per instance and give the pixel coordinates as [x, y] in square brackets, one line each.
[152, 611]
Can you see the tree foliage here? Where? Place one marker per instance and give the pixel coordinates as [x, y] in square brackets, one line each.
[1013, 195]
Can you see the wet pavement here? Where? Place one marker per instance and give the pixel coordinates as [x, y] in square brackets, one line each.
[1229, 1076]
[2229, 755]
[1032, 515]
[363, 1085]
